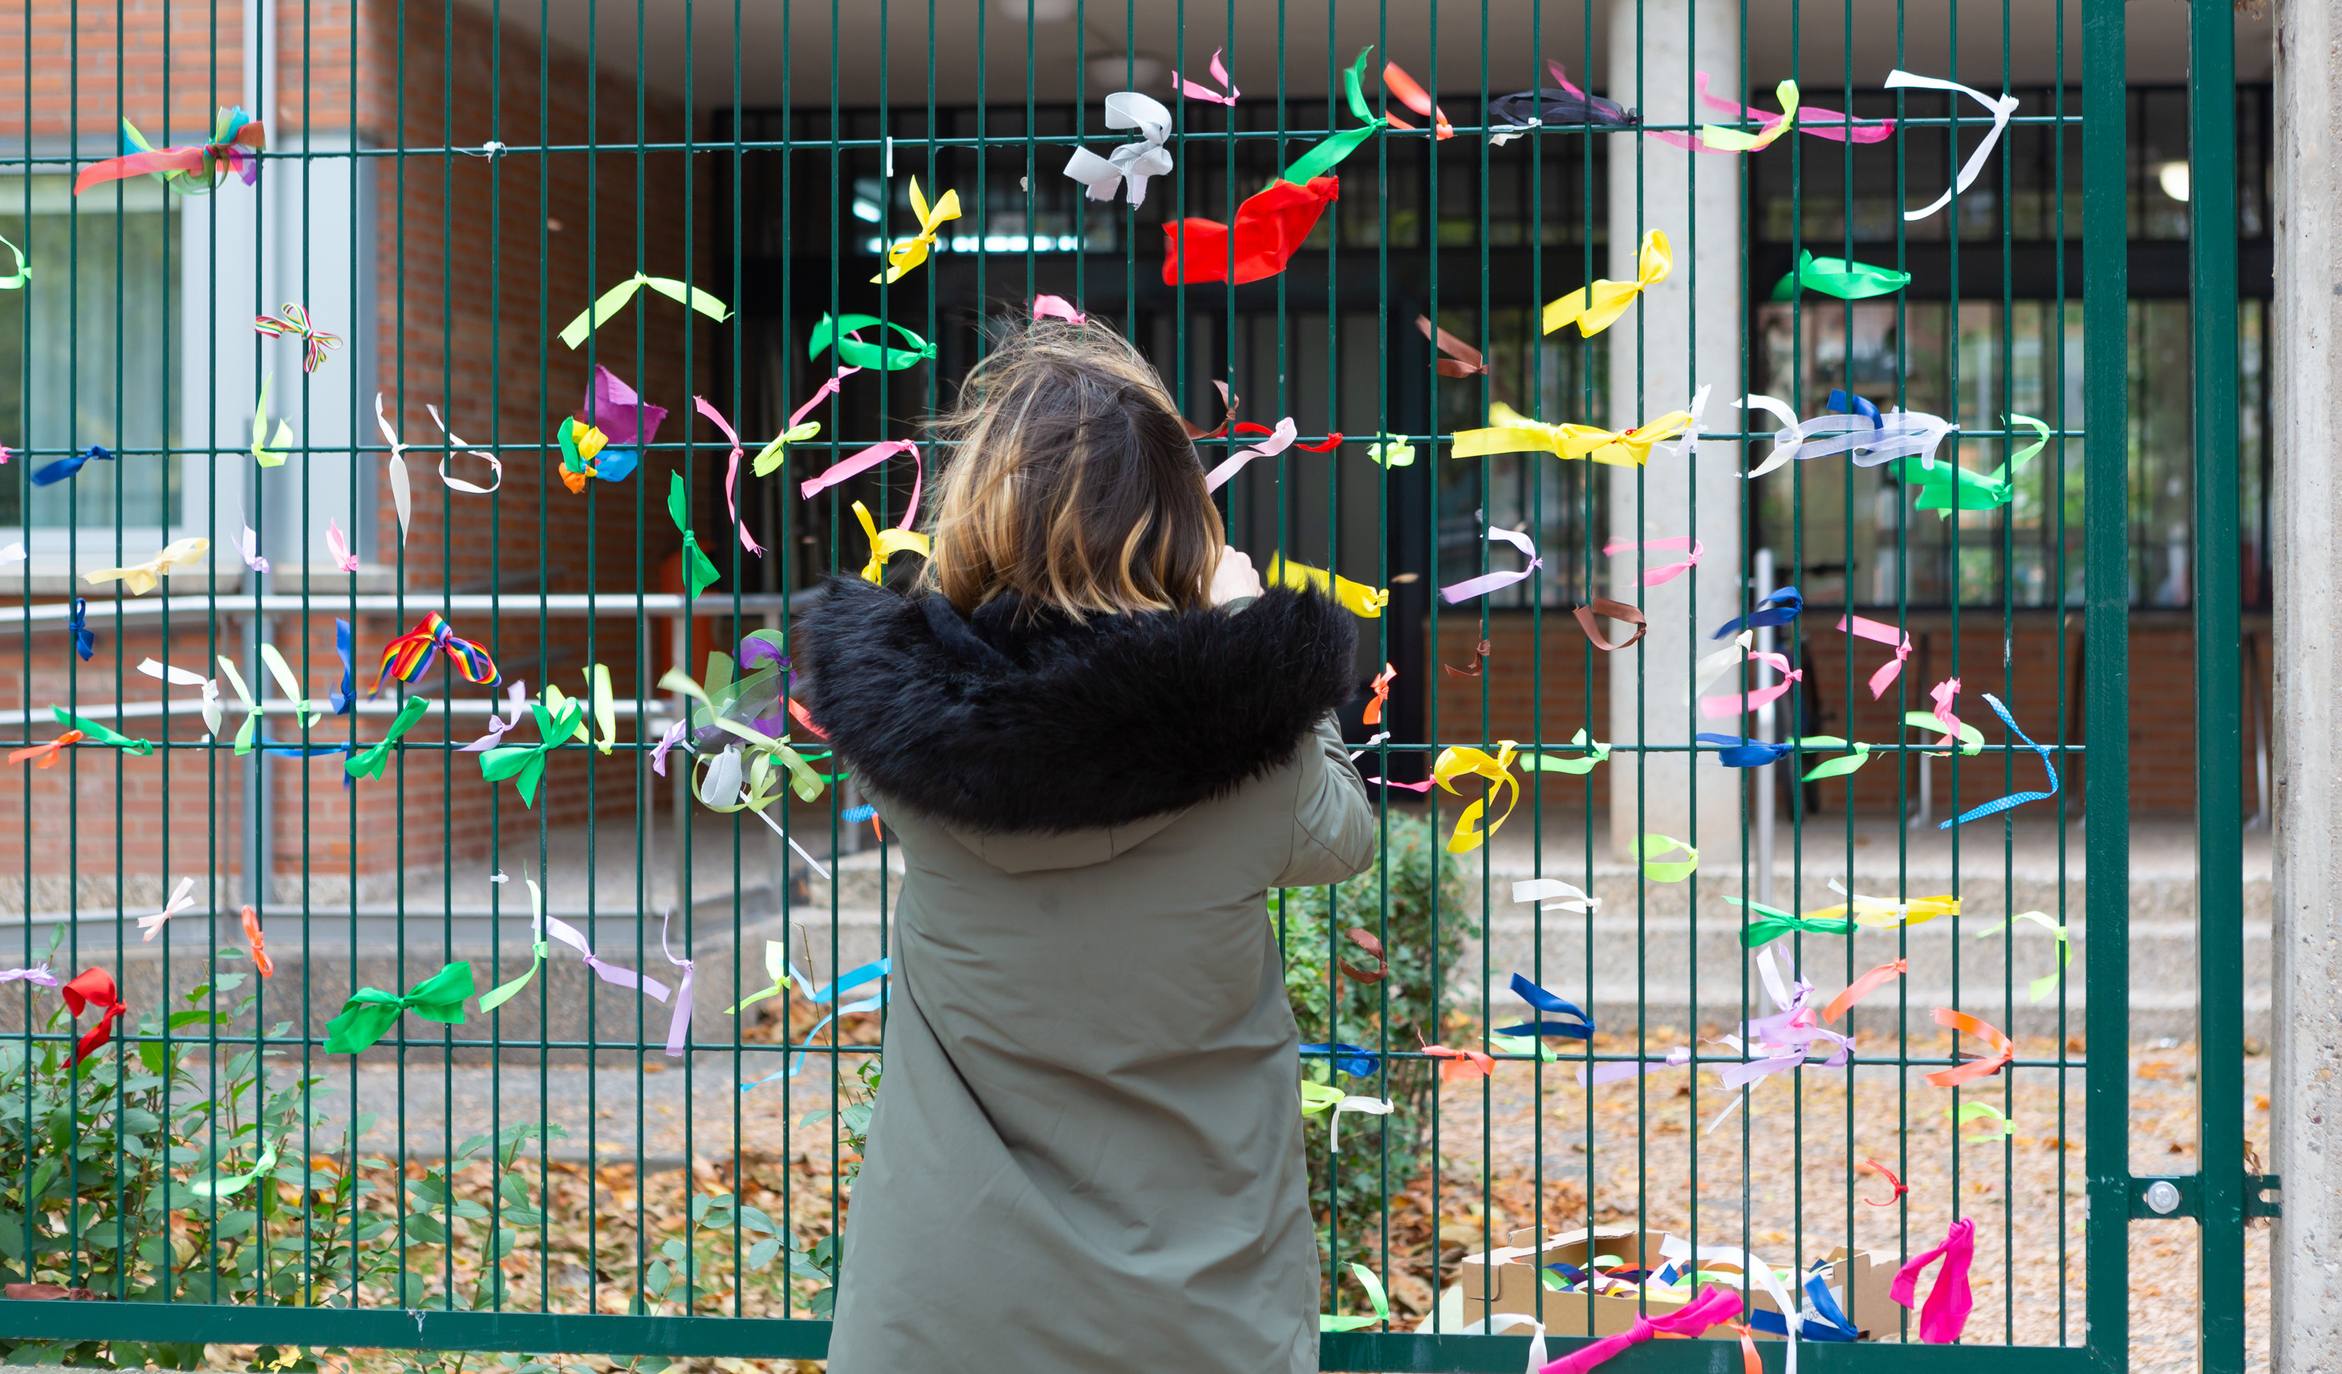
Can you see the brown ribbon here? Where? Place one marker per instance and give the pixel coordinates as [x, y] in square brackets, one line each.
[1460, 359]
[1228, 403]
[1364, 939]
[1480, 657]
[1620, 611]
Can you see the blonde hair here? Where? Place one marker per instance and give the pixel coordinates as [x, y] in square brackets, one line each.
[1071, 482]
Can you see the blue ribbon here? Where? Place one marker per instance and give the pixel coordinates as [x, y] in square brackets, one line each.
[2013, 799]
[1827, 1323]
[84, 642]
[1778, 608]
[871, 972]
[1735, 752]
[62, 470]
[1354, 1060]
[1846, 403]
[1535, 996]
[348, 694]
[855, 815]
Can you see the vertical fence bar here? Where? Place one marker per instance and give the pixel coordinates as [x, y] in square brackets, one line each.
[2212, 311]
[2106, 718]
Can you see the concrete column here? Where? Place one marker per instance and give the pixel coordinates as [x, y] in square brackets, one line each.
[1683, 333]
[2306, 1079]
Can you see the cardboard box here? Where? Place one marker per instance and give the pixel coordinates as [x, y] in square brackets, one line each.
[1509, 1276]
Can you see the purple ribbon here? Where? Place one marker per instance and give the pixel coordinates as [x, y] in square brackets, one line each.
[37, 975]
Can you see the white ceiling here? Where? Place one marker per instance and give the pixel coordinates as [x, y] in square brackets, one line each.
[988, 40]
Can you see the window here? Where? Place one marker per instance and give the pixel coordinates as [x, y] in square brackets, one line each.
[87, 354]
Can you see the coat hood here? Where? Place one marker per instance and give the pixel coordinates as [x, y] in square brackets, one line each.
[1005, 724]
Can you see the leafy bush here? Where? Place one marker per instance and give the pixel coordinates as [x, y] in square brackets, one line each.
[1332, 1006]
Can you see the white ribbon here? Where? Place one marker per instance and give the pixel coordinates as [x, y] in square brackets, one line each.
[1552, 894]
[1496, 1324]
[182, 677]
[2001, 106]
[401, 495]
[455, 442]
[1678, 1251]
[1869, 442]
[181, 899]
[1715, 665]
[1132, 164]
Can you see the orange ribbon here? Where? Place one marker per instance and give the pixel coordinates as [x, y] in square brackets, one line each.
[1461, 1063]
[2002, 1049]
[1864, 986]
[1382, 694]
[47, 754]
[260, 959]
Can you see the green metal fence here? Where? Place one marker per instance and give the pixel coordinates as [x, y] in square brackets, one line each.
[541, 1174]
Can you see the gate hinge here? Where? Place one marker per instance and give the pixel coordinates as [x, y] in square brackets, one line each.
[2158, 1197]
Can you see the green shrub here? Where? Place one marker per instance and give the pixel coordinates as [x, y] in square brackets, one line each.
[1347, 1189]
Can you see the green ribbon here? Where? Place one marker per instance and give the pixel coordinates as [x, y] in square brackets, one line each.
[1342, 142]
[1945, 487]
[102, 734]
[699, 572]
[504, 992]
[1971, 738]
[228, 1185]
[370, 763]
[1843, 764]
[524, 764]
[1773, 923]
[1843, 278]
[370, 1014]
[23, 273]
[854, 352]
[1327, 1321]
[1596, 753]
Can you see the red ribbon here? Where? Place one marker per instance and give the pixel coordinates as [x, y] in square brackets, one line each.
[1711, 1307]
[1872, 1166]
[93, 987]
[1326, 445]
[1270, 227]
[1948, 1303]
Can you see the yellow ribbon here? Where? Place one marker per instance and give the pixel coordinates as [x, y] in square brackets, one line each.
[772, 455]
[1356, 597]
[886, 543]
[910, 252]
[1726, 139]
[140, 578]
[1596, 307]
[1458, 761]
[590, 441]
[1880, 913]
[598, 702]
[1509, 431]
[266, 449]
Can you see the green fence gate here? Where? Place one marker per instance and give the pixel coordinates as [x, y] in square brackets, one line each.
[277, 1105]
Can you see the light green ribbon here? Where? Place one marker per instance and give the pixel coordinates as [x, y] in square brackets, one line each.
[1391, 451]
[2040, 987]
[1596, 753]
[504, 992]
[266, 450]
[837, 332]
[228, 1185]
[772, 455]
[1665, 870]
[803, 781]
[23, 273]
[1945, 487]
[699, 572]
[612, 301]
[1971, 738]
[524, 764]
[1840, 766]
[1843, 278]
[1342, 142]
[305, 712]
[1327, 1321]
[102, 734]
[370, 762]
[370, 1014]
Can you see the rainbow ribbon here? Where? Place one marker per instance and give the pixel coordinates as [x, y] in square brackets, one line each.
[408, 656]
[293, 322]
[236, 137]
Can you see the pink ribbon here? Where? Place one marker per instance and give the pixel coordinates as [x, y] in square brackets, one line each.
[1943, 693]
[1949, 1301]
[517, 698]
[1710, 1307]
[863, 462]
[1737, 703]
[1879, 632]
[821, 393]
[338, 544]
[667, 743]
[38, 975]
[731, 475]
[609, 973]
[1280, 439]
[678, 1024]
[1227, 93]
[150, 926]
[1496, 581]
[1666, 572]
[1057, 308]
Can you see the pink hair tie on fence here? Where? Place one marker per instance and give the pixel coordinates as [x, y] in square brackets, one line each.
[1879, 632]
[1665, 572]
[1057, 308]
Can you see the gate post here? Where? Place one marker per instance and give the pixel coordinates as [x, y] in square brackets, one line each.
[2305, 1087]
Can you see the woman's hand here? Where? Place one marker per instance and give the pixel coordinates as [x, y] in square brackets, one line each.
[1234, 579]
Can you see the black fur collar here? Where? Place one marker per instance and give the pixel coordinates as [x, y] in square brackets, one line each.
[1009, 723]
